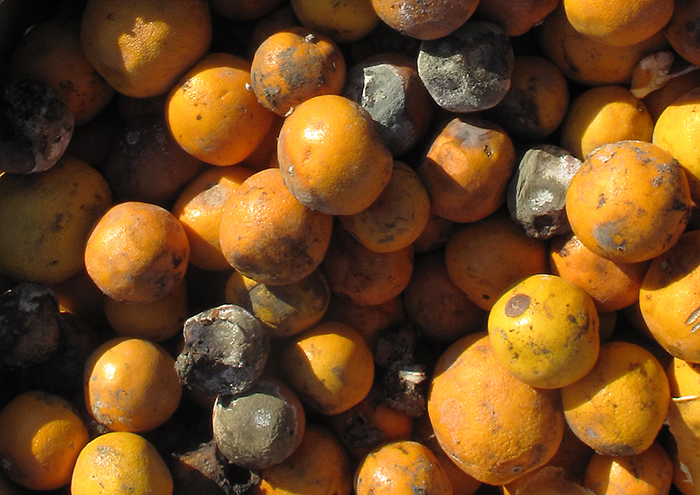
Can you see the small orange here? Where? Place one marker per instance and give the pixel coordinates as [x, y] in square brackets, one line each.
[131, 385]
[330, 367]
[674, 88]
[142, 47]
[397, 217]
[515, 17]
[332, 156]
[269, 236]
[344, 21]
[485, 258]
[42, 435]
[587, 61]
[682, 30]
[403, 467]
[466, 169]
[619, 407]
[366, 277]
[199, 208]
[612, 285]
[647, 473]
[51, 52]
[319, 466]
[495, 427]
[45, 219]
[137, 252]
[368, 320]
[213, 115]
[618, 22]
[121, 462]
[156, 320]
[629, 201]
[293, 65]
[601, 115]
[424, 21]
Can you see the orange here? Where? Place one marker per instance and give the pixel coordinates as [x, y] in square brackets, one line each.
[319, 466]
[677, 130]
[485, 258]
[435, 235]
[619, 407]
[669, 299]
[587, 61]
[441, 311]
[602, 115]
[45, 219]
[121, 462]
[269, 236]
[492, 425]
[51, 52]
[212, 114]
[549, 480]
[403, 467]
[545, 331]
[682, 30]
[647, 473]
[199, 208]
[612, 285]
[629, 201]
[142, 47]
[153, 320]
[80, 296]
[366, 277]
[329, 366]
[423, 21]
[293, 65]
[618, 22]
[131, 385]
[332, 156]
[42, 435]
[397, 217]
[244, 9]
[342, 21]
[673, 88]
[368, 320]
[466, 169]
[515, 17]
[137, 252]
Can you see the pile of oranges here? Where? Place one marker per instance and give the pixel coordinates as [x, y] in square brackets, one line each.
[290, 158]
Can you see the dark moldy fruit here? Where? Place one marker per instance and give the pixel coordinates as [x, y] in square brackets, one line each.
[225, 351]
[35, 127]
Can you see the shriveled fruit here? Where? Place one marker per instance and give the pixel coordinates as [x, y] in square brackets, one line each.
[544, 330]
[260, 427]
[495, 427]
[137, 252]
[330, 367]
[410, 465]
[619, 407]
[269, 236]
[136, 46]
[42, 437]
[629, 201]
[332, 156]
[131, 385]
[119, 462]
[46, 218]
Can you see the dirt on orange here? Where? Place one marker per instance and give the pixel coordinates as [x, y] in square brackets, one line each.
[342, 21]
[212, 114]
[142, 47]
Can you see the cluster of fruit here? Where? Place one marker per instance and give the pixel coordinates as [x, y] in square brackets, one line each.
[319, 247]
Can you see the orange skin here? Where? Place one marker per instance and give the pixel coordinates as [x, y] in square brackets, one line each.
[368, 320]
[213, 115]
[515, 17]
[424, 20]
[366, 277]
[495, 427]
[329, 366]
[411, 466]
[344, 21]
[137, 252]
[293, 65]
[332, 156]
[131, 385]
[629, 201]
[612, 285]
[284, 240]
[142, 47]
[466, 169]
[681, 30]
